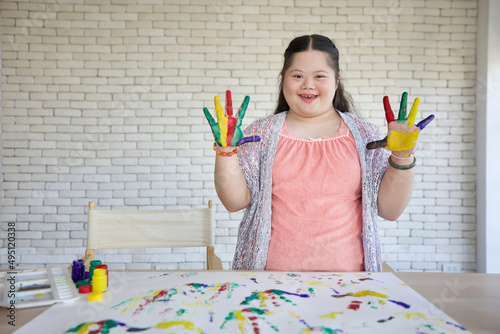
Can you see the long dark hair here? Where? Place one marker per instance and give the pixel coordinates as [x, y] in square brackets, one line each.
[342, 100]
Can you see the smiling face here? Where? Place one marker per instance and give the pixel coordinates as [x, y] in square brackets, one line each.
[309, 84]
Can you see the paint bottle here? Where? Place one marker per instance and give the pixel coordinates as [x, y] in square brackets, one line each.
[94, 296]
[93, 265]
[78, 270]
[104, 266]
[82, 282]
[99, 280]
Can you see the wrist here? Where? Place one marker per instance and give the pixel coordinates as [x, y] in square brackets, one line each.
[225, 151]
[401, 165]
[402, 160]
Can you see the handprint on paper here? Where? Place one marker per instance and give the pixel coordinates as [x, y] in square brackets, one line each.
[402, 133]
[227, 131]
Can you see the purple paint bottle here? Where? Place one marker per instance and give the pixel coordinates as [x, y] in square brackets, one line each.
[78, 270]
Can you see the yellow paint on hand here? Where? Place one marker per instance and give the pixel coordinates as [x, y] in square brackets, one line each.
[222, 120]
[402, 141]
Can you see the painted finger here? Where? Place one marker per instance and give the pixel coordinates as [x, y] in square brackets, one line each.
[402, 108]
[229, 104]
[248, 140]
[222, 121]
[377, 144]
[389, 115]
[413, 112]
[423, 123]
[209, 117]
[214, 126]
[243, 107]
[218, 108]
[231, 127]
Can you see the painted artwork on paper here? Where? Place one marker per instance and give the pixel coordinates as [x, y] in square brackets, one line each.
[266, 302]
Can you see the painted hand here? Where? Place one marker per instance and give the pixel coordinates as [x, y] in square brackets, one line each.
[227, 132]
[402, 133]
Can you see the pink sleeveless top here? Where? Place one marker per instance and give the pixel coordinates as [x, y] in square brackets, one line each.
[316, 220]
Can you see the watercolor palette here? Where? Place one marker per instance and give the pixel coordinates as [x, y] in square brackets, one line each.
[30, 288]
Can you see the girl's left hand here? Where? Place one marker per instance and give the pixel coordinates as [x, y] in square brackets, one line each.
[402, 133]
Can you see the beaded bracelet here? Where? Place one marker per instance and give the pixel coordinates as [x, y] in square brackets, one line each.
[225, 154]
[403, 167]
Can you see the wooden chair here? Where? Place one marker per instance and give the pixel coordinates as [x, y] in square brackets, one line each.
[113, 229]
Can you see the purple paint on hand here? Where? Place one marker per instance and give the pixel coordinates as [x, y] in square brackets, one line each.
[423, 123]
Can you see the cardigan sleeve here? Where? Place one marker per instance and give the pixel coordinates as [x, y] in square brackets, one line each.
[248, 155]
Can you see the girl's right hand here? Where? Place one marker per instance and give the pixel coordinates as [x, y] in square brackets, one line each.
[227, 131]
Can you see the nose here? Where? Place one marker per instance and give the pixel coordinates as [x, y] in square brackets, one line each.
[308, 83]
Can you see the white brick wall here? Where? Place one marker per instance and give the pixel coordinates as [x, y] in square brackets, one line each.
[103, 102]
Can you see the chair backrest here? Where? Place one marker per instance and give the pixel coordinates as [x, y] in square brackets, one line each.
[108, 229]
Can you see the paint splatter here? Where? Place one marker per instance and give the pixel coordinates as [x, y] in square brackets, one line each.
[161, 275]
[321, 329]
[195, 290]
[198, 287]
[399, 303]
[184, 324]
[221, 287]
[251, 314]
[362, 294]
[366, 293]
[413, 315]
[331, 315]
[456, 325]
[185, 275]
[354, 305]
[99, 327]
[104, 327]
[274, 295]
[139, 303]
[385, 320]
[316, 283]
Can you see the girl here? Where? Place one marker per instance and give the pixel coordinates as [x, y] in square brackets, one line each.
[311, 189]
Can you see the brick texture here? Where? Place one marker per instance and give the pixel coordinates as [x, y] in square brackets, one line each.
[102, 101]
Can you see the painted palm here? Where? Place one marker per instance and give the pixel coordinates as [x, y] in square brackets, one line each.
[402, 132]
[227, 131]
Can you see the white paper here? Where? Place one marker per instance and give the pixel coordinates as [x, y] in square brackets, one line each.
[248, 302]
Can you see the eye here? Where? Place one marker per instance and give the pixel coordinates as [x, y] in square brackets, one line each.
[298, 76]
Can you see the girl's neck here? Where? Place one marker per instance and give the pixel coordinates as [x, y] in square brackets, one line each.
[324, 125]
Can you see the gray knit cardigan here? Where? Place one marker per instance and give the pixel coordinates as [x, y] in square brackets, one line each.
[256, 161]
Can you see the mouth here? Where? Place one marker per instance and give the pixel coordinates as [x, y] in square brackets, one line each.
[308, 97]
